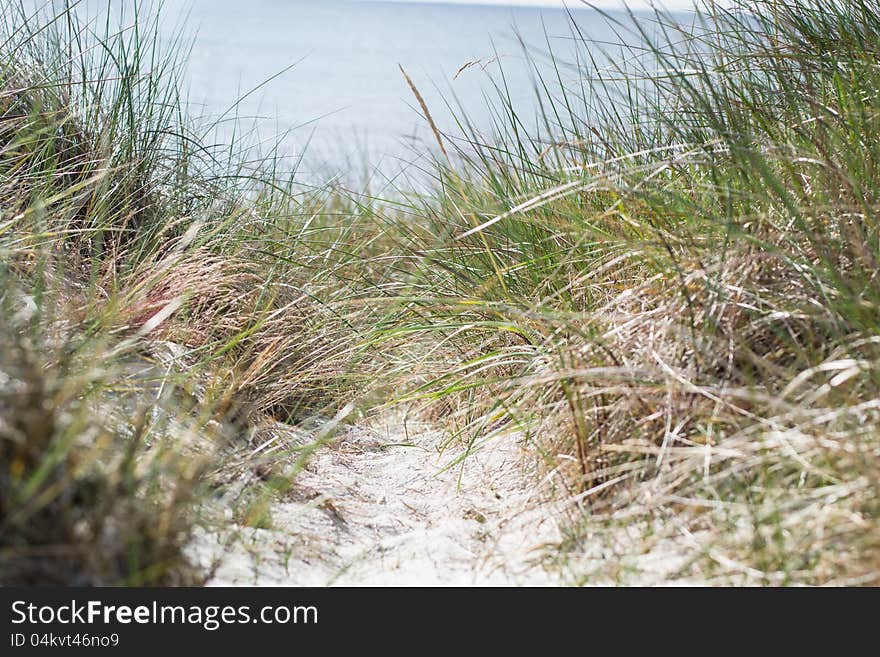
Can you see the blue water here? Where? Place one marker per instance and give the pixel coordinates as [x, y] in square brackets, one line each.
[344, 103]
[345, 99]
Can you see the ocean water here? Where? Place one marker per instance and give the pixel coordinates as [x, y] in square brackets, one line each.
[343, 104]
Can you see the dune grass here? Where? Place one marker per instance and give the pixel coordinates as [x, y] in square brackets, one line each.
[670, 288]
[164, 303]
[666, 288]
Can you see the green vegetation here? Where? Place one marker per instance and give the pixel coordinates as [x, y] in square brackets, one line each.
[162, 302]
[670, 289]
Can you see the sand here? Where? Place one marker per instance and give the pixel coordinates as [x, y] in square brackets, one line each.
[378, 506]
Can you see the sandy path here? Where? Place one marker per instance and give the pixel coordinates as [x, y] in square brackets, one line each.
[377, 508]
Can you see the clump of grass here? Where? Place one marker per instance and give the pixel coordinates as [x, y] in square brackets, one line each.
[177, 298]
[87, 497]
[669, 286]
[90, 494]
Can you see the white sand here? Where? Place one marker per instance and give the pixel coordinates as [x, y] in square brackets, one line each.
[367, 511]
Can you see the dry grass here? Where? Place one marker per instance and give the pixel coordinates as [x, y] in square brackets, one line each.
[88, 498]
[676, 298]
[169, 304]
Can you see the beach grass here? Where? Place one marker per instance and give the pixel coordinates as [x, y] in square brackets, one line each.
[164, 302]
[669, 286]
